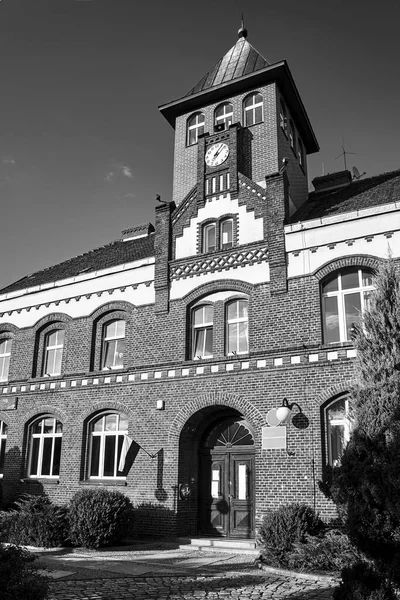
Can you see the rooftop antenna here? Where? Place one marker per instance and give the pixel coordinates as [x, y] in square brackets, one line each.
[344, 154]
[356, 173]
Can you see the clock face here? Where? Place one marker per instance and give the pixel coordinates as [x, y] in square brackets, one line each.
[217, 154]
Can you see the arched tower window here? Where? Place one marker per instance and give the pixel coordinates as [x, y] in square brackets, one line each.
[253, 109]
[223, 116]
[195, 127]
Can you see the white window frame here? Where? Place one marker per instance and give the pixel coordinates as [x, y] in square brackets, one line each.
[283, 121]
[58, 348]
[228, 245]
[3, 443]
[203, 326]
[341, 294]
[344, 422]
[251, 108]
[107, 340]
[226, 117]
[206, 229]
[103, 435]
[300, 152]
[5, 356]
[235, 321]
[42, 437]
[292, 135]
[195, 123]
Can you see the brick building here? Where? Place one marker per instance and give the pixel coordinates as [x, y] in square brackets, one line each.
[156, 364]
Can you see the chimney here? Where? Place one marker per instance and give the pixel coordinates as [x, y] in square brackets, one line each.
[332, 181]
[138, 231]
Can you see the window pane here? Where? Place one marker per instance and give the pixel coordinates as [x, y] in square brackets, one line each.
[123, 423]
[48, 425]
[227, 233]
[119, 353]
[57, 456]
[2, 454]
[249, 117]
[243, 308]
[209, 342]
[98, 425]
[58, 427]
[258, 114]
[352, 303]
[331, 320]
[110, 329]
[199, 336]
[350, 279]
[109, 456]
[336, 443]
[198, 316]
[4, 367]
[232, 310]
[366, 278]
[120, 443]
[94, 463]
[337, 410]
[192, 137]
[209, 238]
[330, 285]
[52, 339]
[111, 423]
[37, 427]
[109, 349]
[57, 361]
[34, 456]
[46, 458]
[232, 337]
[208, 314]
[243, 339]
[367, 300]
[120, 328]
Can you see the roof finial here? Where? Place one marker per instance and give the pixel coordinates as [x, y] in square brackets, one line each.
[242, 33]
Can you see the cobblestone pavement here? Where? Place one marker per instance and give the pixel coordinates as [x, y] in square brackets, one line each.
[170, 575]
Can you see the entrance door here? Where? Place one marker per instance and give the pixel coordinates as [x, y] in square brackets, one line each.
[227, 480]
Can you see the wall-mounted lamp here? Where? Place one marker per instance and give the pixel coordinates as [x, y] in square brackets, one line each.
[284, 412]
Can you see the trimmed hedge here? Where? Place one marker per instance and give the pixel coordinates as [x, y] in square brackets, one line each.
[99, 518]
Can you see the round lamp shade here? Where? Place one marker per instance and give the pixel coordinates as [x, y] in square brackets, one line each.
[283, 413]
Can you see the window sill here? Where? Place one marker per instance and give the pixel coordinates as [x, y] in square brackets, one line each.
[104, 482]
[40, 481]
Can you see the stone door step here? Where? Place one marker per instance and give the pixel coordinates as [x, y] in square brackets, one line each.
[233, 546]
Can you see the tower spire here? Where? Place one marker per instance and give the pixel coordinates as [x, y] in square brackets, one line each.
[242, 33]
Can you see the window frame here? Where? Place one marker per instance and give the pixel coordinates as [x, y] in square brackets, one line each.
[292, 135]
[218, 224]
[195, 127]
[223, 222]
[283, 120]
[252, 108]
[3, 445]
[103, 435]
[107, 341]
[50, 348]
[340, 295]
[206, 229]
[42, 437]
[3, 358]
[222, 119]
[236, 321]
[344, 422]
[300, 153]
[205, 326]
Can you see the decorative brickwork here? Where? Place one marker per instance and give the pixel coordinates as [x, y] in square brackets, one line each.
[370, 262]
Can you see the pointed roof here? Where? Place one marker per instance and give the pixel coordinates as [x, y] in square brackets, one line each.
[241, 59]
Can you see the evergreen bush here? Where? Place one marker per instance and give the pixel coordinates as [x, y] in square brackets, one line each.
[362, 582]
[99, 518]
[19, 578]
[36, 522]
[281, 528]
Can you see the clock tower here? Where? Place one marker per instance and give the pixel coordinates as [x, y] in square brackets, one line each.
[244, 116]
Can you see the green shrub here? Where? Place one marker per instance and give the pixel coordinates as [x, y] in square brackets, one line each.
[280, 529]
[362, 582]
[36, 522]
[20, 580]
[99, 518]
[331, 552]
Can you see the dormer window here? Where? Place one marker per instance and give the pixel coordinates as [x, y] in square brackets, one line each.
[223, 116]
[253, 110]
[209, 237]
[195, 127]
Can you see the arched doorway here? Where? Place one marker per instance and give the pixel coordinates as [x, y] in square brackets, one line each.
[226, 478]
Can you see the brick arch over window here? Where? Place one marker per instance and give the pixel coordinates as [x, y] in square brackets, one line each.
[249, 411]
[34, 413]
[332, 392]
[108, 307]
[113, 311]
[44, 327]
[104, 406]
[50, 319]
[8, 329]
[221, 285]
[361, 260]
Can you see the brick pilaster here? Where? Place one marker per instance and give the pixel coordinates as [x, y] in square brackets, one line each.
[276, 192]
[162, 248]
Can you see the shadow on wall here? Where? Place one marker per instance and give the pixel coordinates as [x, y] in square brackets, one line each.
[153, 520]
[12, 485]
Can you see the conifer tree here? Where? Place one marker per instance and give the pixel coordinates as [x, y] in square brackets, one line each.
[367, 483]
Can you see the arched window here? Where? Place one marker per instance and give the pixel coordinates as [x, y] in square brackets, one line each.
[223, 116]
[345, 295]
[338, 428]
[113, 345]
[5, 355]
[253, 109]
[237, 338]
[53, 352]
[3, 441]
[300, 152]
[226, 234]
[45, 447]
[209, 237]
[202, 332]
[292, 135]
[283, 116]
[108, 434]
[195, 127]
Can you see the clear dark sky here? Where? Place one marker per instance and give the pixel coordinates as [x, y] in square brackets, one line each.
[83, 148]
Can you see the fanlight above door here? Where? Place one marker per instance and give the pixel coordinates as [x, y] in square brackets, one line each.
[229, 433]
